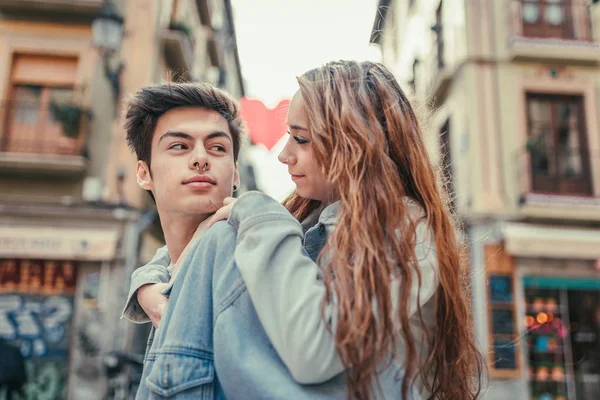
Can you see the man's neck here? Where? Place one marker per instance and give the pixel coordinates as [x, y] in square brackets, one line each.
[178, 233]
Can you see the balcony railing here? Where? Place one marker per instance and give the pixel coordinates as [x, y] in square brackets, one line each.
[28, 128]
[561, 176]
[79, 7]
[551, 19]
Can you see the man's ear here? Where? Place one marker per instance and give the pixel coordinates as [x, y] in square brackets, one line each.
[144, 179]
[236, 176]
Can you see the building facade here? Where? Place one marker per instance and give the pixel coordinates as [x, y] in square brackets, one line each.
[510, 94]
[73, 222]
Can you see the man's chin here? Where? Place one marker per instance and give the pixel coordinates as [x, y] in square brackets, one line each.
[201, 205]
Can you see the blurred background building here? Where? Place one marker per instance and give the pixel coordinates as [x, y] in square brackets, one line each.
[73, 222]
[509, 91]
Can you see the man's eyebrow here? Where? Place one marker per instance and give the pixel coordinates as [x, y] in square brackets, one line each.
[176, 134]
[183, 135]
[218, 134]
[298, 127]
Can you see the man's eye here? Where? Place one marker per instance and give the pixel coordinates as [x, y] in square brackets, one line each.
[218, 147]
[178, 146]
[299, 140]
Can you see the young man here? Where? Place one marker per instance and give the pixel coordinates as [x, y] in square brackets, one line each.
[186, 137]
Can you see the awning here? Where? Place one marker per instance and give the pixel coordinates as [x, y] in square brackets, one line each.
[530, 240]
[50, 243]
[549, 282]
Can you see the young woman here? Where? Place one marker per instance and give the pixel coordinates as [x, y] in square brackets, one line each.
[382, 288]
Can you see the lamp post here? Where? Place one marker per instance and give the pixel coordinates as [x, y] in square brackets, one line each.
[107, 35]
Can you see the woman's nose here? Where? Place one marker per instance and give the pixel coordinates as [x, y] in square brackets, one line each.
[286, 157]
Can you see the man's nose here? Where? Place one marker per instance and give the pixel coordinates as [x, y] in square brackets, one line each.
[199, 160]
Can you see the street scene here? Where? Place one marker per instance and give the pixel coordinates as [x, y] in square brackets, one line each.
[430, 168]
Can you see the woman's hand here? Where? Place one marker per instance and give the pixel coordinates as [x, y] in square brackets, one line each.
[223, 212]
[152, 301]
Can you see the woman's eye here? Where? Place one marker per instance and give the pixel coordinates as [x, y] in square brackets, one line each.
[178, 146]
[299, 140]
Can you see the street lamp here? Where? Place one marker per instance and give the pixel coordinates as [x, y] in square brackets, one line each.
[107, 34]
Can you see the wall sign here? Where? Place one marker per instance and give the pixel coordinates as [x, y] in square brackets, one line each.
[58, 243]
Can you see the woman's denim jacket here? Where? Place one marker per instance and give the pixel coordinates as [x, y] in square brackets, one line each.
[210, 322]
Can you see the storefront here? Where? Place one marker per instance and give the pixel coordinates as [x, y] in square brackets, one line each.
[563, 337]
[543, 314]
[36, 314]
[49, 282]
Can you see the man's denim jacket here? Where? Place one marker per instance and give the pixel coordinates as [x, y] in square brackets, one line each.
[211, 323]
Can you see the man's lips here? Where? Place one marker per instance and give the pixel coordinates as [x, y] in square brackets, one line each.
[200, 182]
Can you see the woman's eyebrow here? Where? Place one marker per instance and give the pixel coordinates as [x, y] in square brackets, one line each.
[298, 127]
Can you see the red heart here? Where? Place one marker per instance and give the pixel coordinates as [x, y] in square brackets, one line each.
[266, 126]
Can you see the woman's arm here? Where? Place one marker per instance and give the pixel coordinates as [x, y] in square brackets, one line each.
[155, 272]
[283, 284]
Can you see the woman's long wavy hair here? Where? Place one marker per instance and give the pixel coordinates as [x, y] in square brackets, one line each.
[366, 137]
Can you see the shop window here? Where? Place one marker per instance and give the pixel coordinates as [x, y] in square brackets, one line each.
[504, 349]
[563, 346]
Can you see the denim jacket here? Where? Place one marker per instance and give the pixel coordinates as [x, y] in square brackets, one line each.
[179, 360]
[254, 351]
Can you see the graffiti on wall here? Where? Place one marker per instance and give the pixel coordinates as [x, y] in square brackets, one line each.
[45, 381]
[36, 310]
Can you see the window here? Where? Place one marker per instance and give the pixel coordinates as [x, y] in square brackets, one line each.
[547, 19]
[557, 145]
[38, 83]
[504, 349]
[439, 36]
[413, 81]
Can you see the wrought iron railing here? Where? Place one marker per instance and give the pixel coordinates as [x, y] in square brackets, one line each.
[28, 127]
[566, 172]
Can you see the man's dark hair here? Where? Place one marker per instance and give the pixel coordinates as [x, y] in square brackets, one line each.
[152, 102]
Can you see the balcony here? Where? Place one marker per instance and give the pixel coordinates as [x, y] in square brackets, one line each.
[558, 186]
[42, 141]
[74, 7]
[178, 44]
[553, 30]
